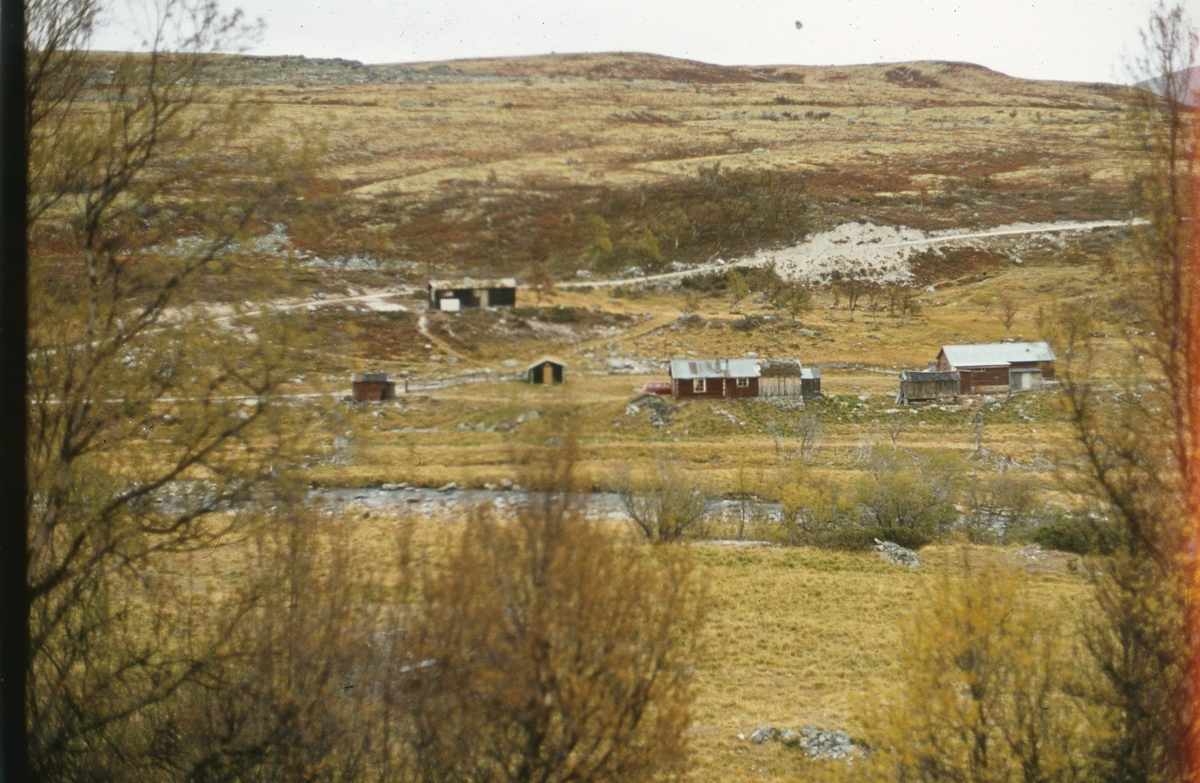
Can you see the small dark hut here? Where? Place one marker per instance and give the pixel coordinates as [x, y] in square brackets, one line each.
[926, 386]
[810, 382]
[453, 295]
[546, 370]
[372, 387]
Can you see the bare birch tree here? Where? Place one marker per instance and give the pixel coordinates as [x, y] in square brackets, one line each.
[150, 428]
[1136, 445]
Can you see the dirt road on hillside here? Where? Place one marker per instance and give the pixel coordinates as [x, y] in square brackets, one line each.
[879, 252]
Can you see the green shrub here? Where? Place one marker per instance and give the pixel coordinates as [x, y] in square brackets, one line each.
[1001, 508]
[747, 323]
[628, 292]
[562, 315]
[913, 492]
[905, 537]
[1078, 534]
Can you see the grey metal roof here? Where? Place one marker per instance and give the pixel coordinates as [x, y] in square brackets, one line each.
[544, 359]
[370, 377]
[810, 374]
[997, 354]
[714, 368]
[468, 282]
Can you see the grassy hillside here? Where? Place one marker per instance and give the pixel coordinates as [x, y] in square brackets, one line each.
[492, 164]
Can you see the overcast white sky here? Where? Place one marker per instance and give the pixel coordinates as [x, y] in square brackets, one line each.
[1081, 40]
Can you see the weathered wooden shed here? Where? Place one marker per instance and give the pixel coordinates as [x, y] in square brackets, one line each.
[714, 378]
[925, 386]
[998, 367]
[547, 369]
[466, 292]
[372, 387]
[780, 378]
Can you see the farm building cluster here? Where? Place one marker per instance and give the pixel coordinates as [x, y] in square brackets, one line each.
[988, 368]
[992, 368]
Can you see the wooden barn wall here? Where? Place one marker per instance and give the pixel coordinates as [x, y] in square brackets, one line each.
[983, 379]
[1047, 368]
[372, 391]
[733, 390]
[780, 387]
[683, 389]
[928, 390]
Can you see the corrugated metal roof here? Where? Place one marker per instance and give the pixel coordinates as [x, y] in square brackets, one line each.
[810, 374]
[714, 368]
[468, 282]
[997, 354]
[370, 377]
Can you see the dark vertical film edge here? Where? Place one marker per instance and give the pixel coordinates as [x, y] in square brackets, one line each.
[14, 598]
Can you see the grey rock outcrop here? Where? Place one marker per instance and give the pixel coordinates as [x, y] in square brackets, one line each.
[820, 744]
[660, 409]
[815, 742]
[896, 554]
[764, 733]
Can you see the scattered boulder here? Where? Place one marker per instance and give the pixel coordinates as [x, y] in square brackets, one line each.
[505, 484]
[448, 486]
[764, 733]
[819, 744]
[816, 743]
[1032, 552]
[660, 409]
[896, 554]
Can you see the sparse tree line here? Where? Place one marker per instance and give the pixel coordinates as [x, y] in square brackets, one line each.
[912, 498]
[791, 300]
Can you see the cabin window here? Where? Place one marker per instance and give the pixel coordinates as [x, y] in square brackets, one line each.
[743, 383]
[698, 386]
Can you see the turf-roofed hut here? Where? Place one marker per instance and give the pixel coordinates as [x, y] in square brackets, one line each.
[787, 378]
[926, 386]
[716, 379]
[780, 378]
[998, 367]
